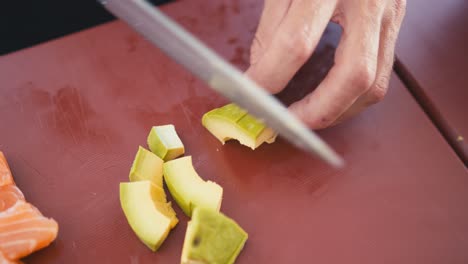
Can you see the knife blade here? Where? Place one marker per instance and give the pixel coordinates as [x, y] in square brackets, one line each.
[224, 78]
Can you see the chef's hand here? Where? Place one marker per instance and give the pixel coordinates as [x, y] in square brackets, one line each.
[288, 33]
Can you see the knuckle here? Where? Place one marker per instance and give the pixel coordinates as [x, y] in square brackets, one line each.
[324, 122]
[298, 47]
[302, 50]
[362, 77]
[311, 119]
[376, 95]
[378, 91]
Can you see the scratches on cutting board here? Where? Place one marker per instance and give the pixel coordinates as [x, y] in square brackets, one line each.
[134, 260]
[30, 166]
[19, 177]
[19, 102]
[69, 108]
[100, 161]
[187, 112]
[83, 113]
[39, 120]
[64, 110]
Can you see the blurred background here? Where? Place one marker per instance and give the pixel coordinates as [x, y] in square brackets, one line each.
[24, 23]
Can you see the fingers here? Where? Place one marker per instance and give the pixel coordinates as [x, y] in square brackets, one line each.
[379, 88]
[352, 75]
[391, 23]
[292, 44]
[273, 13]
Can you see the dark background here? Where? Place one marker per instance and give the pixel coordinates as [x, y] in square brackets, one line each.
[24, 23]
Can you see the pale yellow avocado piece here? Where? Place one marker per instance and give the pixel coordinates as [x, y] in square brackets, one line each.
[159, 197]
[147, 166]
[212, 238]
[232, 122]
[165, 143]
[188, 189]
[149, 218]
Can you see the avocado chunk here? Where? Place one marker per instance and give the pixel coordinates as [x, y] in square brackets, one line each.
[147, 166]
[188, 189]
[232, 122]
[212, 238]
[165, 143]
[150, 218]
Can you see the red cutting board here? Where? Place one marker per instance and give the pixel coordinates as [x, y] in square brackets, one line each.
[73, 112]
[432, 47]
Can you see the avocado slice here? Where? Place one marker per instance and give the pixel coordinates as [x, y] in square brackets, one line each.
[232, 122]
[188, 189]
[150, 218]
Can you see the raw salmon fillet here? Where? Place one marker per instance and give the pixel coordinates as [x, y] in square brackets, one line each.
[4, 260]
[9, 192]
[23, 229]
[9, 195]
[5, 174]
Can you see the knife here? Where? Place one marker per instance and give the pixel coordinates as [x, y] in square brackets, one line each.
[224, 78]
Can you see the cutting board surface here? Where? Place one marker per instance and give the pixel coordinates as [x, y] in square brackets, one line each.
[434, 52]
[74, 111]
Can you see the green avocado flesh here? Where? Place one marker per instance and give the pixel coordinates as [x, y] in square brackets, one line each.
[188, 189]
[165, 143]
[212, 238]
[232, 122]
[147, 166]
[149, 217]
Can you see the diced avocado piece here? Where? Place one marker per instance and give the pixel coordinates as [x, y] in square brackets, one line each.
[149, 218]
[147, 166]
[188, 189]
[159, 197]
[212, 238]
[164, 142]
[232, 122]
